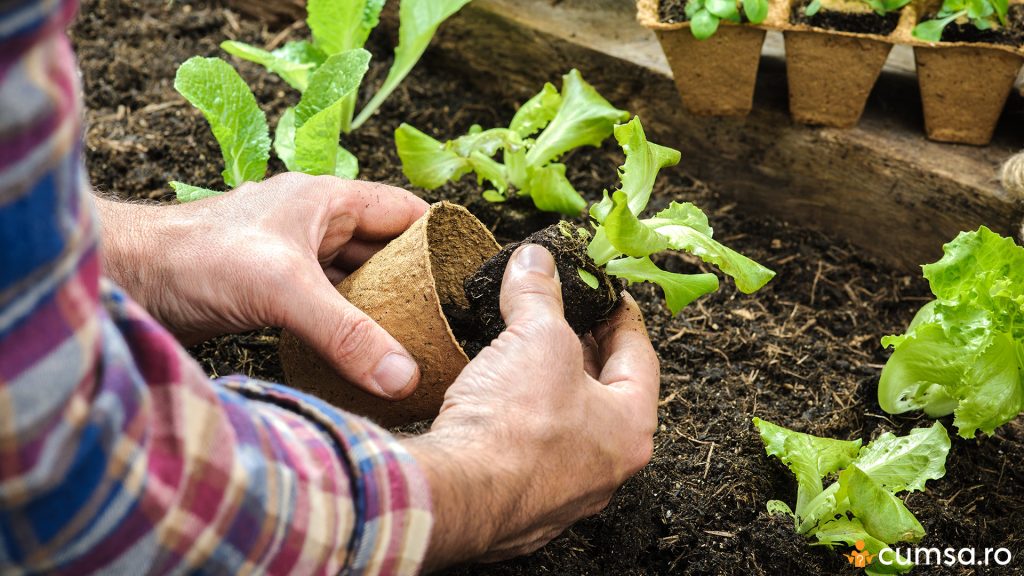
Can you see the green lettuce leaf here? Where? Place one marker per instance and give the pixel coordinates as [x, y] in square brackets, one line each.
[240, 127]
[190, 193]
[923, 373]
[489, 170]
[552, 192]
[338, 77]
[293, 62]
[418, 21]
[427, 162]
[961, 353]
[584, 118]
[905, 463]
[991, 392]
[643, 162]
[284, 138]
[749, 275]
[627, 233]
[341, 25]
[680, 289]
[537, 112]
[319, 115]
[882, 514]
[681, 214]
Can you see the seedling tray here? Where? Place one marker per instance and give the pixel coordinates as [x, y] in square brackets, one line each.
[964, 85]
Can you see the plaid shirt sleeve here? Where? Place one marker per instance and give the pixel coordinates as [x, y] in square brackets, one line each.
[117, 454]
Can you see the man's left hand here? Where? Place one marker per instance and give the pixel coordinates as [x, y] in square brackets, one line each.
[268, 254]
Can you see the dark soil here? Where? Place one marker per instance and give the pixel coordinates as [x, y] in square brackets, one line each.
[803, 352]
[1012, 34]
[869, 23]
[585, 306]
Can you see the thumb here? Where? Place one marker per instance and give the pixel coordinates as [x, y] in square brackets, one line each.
[352, 342]
[530, 290]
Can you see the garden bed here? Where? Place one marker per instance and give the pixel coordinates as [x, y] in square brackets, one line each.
[803, 352]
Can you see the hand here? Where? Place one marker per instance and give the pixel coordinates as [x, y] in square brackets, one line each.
[540, 429]
[268, 254]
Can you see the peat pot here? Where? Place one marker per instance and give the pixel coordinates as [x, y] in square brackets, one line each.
[963, 90]
[715, 76]
[831, 75]
[403, 288]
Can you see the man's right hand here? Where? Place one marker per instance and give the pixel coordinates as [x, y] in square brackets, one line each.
[540, 429]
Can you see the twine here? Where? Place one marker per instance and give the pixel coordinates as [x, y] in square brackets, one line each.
[1012, 175]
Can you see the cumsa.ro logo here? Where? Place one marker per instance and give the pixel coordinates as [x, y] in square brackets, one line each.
[860, 558]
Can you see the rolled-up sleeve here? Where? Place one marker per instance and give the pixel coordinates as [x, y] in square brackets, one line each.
[117, 453]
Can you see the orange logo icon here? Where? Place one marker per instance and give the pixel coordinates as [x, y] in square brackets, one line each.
[860, 558]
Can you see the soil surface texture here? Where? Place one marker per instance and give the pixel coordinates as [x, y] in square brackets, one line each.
[869, 23]
[1012, 33]
[804, 352]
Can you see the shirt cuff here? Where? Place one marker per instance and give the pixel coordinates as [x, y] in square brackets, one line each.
[391, 496]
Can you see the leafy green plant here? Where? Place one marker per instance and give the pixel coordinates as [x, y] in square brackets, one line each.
[327, 71]
[623, 243]
[984, 14]
[547, 126]
[705, 15]
[963, 353]
[881, 7]
[861, 505]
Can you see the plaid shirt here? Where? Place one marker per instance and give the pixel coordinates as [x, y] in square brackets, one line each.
[117, 454]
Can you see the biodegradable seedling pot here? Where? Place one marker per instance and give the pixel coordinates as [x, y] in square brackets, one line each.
[403, 288]
[716, 76]
[963, 90]
[830, 75]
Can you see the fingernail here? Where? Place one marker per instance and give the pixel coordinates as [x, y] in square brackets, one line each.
[394, 373]
[533, 258]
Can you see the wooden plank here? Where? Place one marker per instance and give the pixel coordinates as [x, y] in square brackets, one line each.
[883, 185]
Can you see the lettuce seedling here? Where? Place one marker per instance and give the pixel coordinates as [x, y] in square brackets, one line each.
[963, 353]
[614, 243]
[623, 243]
[578, 116]
[307, 135]
[705, 15]
[984, 14]
[328, 71]
[342, 25]
[861, 505]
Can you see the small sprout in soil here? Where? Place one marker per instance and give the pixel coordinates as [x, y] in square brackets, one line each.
[880, 7]
[577, 116]
[327, 71]
[963, 353]
[861, 504]
[620, 247]
[984, 14]
[705, 15]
